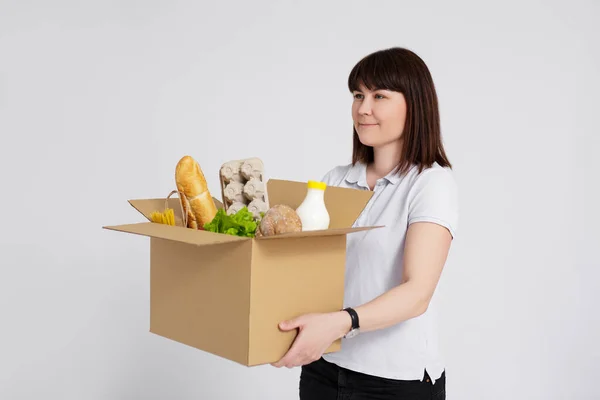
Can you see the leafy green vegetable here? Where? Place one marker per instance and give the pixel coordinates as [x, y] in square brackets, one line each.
[241, 223]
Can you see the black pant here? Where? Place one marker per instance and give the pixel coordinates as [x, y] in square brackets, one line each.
[322, 380]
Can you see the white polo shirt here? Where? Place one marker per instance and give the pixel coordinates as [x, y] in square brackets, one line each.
[374, 265]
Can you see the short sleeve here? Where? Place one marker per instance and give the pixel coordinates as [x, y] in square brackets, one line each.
[434, 198]
[335, 175]
[327, 178]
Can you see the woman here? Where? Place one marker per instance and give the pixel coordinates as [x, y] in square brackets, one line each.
[389, 348]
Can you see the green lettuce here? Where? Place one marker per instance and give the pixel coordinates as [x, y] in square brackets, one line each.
[241, 223]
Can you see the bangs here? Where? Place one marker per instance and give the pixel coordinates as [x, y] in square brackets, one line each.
[379, 70]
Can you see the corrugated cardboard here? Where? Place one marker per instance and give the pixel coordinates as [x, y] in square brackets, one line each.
[226, 294]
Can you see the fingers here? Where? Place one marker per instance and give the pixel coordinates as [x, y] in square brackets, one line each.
[288, 361]
[291, 356]
[290, 324]
[296, 359]
[300, 352]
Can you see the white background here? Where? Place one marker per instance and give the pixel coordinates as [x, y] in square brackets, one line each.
[99, 100]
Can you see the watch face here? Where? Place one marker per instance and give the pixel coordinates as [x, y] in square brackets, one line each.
[352, 333]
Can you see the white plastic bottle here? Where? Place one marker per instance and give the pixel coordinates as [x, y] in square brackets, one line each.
[312, 211]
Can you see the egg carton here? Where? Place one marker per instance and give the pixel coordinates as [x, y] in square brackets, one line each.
[242, 184]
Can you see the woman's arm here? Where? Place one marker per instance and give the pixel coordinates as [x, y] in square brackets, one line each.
[426, 249]
[425, 253]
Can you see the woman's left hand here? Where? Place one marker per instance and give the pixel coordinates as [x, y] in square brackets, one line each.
[316, 332]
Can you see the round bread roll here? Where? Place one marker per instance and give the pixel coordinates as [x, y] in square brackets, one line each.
[279, 219]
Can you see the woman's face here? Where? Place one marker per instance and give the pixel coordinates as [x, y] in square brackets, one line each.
[378, 116]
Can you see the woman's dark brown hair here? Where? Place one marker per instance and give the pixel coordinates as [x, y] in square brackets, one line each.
[403, 71]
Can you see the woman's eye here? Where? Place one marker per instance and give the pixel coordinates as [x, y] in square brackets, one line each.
[358, 96]
[378, 96]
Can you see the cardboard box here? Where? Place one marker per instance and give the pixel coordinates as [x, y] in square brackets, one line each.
[226, 294]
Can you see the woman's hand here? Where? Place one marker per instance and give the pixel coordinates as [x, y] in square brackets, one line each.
[316, 332]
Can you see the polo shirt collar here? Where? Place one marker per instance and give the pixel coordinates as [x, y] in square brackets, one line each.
[358, 174]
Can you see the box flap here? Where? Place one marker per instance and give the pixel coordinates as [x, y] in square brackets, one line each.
[176, 233]
[343, 204]
[147, 206]
[326, 232]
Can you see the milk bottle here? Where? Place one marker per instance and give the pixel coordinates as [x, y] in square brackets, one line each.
[312, 211]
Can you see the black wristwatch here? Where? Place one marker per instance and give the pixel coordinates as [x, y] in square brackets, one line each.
[355, 325]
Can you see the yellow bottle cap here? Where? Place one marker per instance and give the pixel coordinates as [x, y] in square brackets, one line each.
[317, 185]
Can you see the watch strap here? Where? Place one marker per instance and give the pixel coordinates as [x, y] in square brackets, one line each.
[354, 316]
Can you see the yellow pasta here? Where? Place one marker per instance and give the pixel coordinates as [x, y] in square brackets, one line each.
[167, 217]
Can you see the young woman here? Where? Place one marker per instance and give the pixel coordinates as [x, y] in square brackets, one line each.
[389, 348]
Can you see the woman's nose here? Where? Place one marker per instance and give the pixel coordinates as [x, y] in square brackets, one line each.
[365, 107]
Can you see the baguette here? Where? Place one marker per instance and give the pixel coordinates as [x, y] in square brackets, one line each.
[198, 205]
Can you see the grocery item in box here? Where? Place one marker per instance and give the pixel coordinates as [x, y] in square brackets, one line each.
[242, 185]
[167, 216]
[279, 219]
[198, 205]
[312, 211]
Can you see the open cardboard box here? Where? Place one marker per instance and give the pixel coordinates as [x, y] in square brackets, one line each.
[226, 294]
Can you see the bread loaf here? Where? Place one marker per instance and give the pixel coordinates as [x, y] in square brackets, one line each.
[279, 219]
[198, 205]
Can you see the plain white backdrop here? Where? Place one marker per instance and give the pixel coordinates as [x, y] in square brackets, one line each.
[100, 99]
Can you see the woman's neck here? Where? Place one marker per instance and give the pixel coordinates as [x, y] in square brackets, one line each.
[386, 158]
